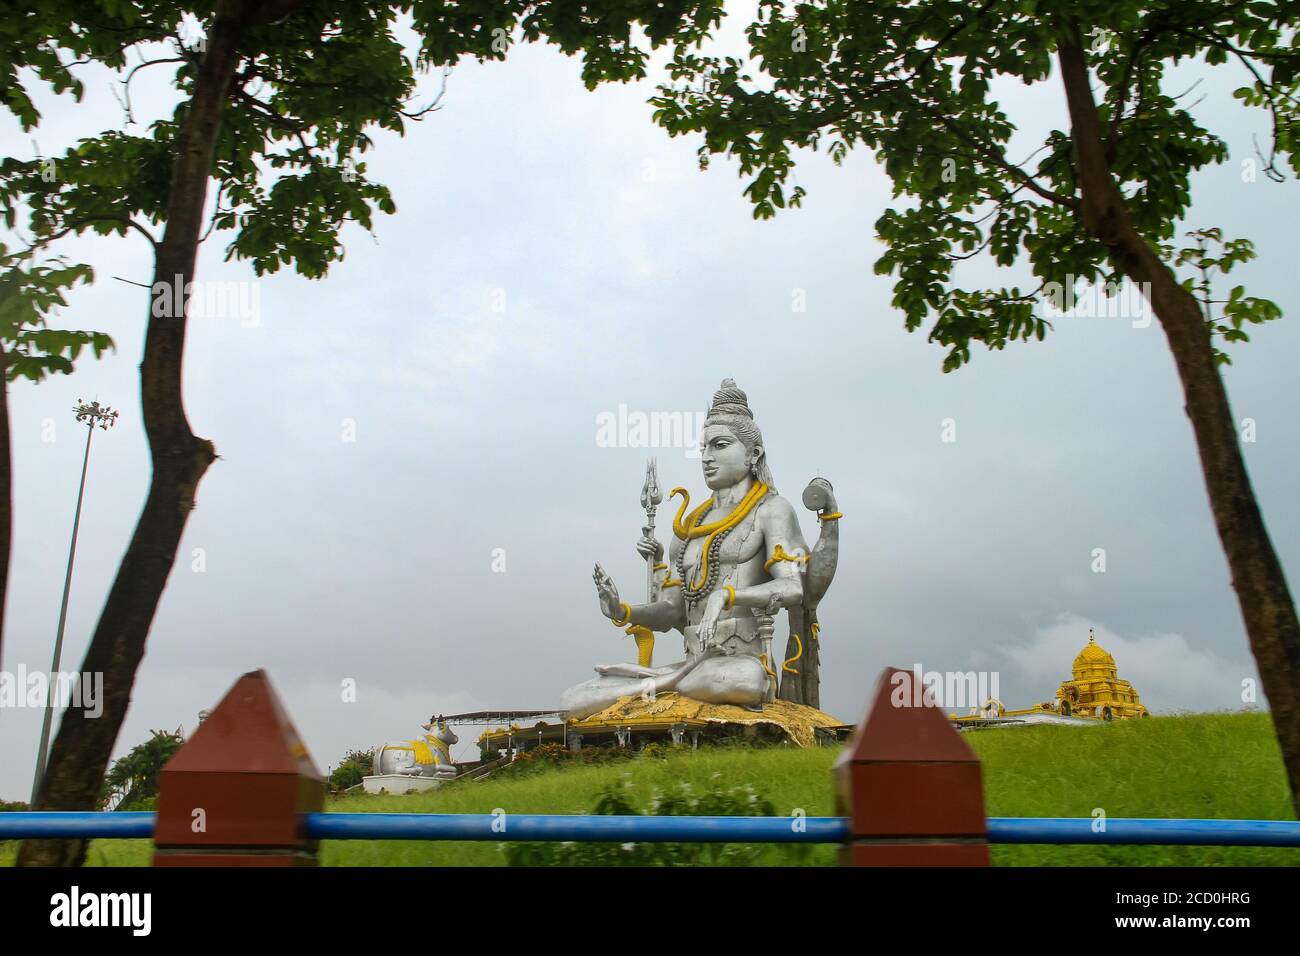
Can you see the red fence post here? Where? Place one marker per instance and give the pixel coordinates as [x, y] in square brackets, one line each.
[234, 793]
[909, 784]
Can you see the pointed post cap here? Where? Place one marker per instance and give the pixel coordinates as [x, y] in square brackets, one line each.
[248, 732]
[905, 723]
[908, 773]
[240, 783]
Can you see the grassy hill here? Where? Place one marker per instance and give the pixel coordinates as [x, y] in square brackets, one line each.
[1209, 765]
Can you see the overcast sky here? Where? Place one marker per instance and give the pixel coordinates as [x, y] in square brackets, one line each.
[555, 255]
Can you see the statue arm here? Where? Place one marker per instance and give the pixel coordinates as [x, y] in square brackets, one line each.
[662, 615]
[670, 610]
[783, 540]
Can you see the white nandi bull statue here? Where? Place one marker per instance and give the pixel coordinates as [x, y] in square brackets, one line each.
[430, 757]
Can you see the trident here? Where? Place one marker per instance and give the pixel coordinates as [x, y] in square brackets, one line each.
[651, 495]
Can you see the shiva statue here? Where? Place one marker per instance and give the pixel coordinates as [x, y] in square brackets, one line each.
[734, 562]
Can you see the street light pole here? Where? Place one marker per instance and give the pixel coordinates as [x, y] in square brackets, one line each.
[92, 414]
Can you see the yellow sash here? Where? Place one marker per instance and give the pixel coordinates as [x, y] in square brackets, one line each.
[423, 752]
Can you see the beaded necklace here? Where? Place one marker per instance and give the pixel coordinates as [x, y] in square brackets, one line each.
[717, 531]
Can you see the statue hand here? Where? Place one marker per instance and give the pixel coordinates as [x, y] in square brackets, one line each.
[648, 546]
[610, 605]
[709, 617]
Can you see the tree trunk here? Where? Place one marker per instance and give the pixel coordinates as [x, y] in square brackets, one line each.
[1266, 605]
[6, 494]
[83, 746]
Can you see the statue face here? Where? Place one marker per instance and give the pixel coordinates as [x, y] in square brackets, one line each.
[724, 457]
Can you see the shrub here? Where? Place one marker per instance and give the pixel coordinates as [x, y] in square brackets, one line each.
[134, 778]
[149, 804]
[556, 755]
[740, 801]
[349, 774]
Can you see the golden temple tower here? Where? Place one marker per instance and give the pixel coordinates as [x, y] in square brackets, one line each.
[1095, 688]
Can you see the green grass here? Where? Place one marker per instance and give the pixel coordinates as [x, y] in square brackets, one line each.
[1224, 766]
[1215, 766]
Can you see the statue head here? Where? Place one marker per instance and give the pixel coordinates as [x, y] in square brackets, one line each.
[439, 730]
[731, 446]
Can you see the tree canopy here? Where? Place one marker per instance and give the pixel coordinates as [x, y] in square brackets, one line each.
[1099, 201]
[276, 101]
[311, 82]
[916, 83]
[132, 782]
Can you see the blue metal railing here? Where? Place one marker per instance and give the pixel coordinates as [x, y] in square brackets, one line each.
[87, 824]
[1148, 832]
[561, 827]
[645, 829]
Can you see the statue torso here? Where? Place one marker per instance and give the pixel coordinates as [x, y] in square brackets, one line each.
[736, 559]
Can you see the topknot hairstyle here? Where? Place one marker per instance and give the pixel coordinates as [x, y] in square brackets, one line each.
[730, 408]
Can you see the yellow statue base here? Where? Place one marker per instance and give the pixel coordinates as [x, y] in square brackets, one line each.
[798, 721]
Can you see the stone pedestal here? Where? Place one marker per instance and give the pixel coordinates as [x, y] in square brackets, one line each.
[398, 783]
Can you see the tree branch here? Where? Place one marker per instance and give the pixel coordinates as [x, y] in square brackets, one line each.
[1145, 40]
[85, 221]
[996, 157]
[953, 31]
